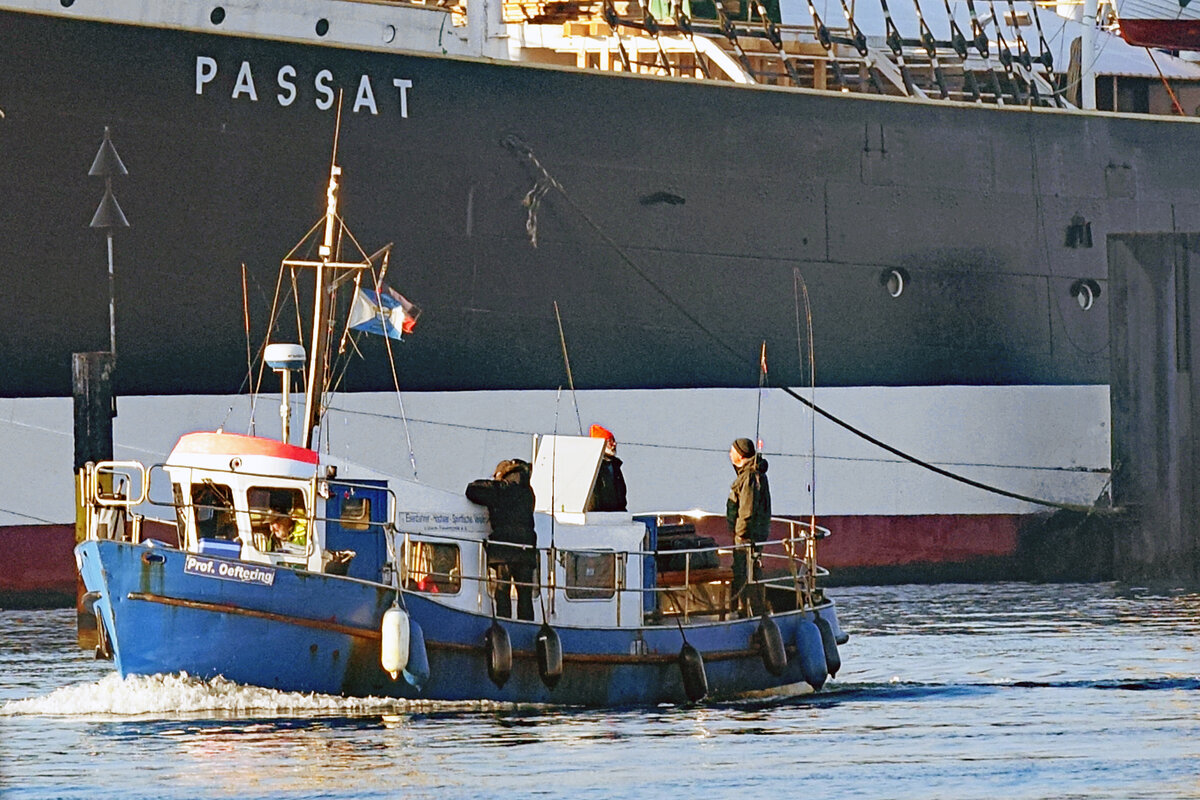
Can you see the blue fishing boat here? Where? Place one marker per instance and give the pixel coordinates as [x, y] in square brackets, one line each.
[300, 571]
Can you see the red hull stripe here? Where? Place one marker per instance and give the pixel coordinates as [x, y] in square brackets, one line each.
[1171, 34]
[235, 444]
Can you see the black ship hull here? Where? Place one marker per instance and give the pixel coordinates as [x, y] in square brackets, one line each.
[690, 213]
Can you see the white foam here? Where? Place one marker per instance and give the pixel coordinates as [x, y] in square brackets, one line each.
[183, 695]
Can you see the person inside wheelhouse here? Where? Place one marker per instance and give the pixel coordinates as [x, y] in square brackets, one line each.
[278, 517]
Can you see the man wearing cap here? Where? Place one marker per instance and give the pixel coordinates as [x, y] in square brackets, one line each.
[748, 512]
[509, 500]
[608, 493]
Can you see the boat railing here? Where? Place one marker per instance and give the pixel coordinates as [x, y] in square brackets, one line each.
[787, 576]
[104, 489]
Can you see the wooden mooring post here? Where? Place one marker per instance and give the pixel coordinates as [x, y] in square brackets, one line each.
[92, 387]
[1154, 336]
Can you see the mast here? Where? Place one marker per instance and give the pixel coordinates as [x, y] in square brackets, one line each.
[314, 387]
[316, 382]
[327, 268]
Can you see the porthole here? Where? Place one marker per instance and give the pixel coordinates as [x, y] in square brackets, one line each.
[389, 34]
[894, 281]
[1085, 291]
[217, 16]
[67, 3]
[322, 26]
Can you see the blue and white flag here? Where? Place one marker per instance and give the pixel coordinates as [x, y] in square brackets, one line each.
[386, 313]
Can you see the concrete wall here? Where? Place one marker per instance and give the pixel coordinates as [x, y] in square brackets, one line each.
[1155, 395]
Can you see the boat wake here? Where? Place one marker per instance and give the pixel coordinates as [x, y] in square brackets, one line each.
[904, 690]
[181, 695]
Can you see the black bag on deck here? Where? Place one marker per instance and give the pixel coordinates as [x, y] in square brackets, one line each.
[683, 537]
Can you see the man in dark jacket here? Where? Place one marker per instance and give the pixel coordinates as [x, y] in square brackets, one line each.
[509, 500]
[748, 512]
[608, 494]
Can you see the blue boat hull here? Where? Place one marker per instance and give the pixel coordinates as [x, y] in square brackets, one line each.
[311, 632]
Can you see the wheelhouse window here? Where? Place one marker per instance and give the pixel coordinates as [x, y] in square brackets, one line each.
[590, 576]
[278, 516]
[212, 504]
[433, 567]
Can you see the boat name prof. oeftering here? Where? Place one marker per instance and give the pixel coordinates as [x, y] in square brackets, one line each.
[285, 78]
[229, 571]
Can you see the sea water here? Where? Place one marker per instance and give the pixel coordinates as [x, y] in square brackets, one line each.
[956, 691]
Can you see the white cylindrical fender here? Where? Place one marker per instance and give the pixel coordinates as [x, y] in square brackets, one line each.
[393, 649]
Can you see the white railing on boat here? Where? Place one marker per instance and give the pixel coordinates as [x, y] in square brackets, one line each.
[113, 489]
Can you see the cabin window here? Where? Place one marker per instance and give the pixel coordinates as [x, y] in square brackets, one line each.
[590, 576]
[432, 567]
[283, 507]
[212, 503]
[356, 513]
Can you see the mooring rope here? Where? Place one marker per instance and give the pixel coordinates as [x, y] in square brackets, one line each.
[544, 181]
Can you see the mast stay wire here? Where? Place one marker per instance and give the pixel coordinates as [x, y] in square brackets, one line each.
[567, 361]
[523, 151]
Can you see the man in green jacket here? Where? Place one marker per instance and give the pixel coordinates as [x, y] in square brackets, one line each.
[748, 512]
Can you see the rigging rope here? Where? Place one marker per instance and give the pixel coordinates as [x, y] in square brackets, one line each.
[544, 179]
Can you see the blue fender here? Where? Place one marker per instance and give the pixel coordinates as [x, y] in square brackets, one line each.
[417, 670]
[811, 652]
[832, 659]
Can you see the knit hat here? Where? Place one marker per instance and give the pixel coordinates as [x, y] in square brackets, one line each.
[744, 447]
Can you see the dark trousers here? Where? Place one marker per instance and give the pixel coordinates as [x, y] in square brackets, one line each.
[512, 565]
[745, 594]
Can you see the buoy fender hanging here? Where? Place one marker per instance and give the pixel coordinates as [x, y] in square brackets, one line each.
[770, 645]
[417, 671]
[811, 652]
[549, 655]
[499, 654]
[833, 660]
[394, 634]
[691, 667]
